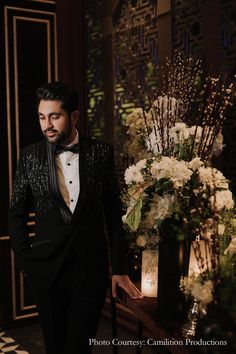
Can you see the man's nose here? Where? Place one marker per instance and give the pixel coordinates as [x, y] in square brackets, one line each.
[48, 123]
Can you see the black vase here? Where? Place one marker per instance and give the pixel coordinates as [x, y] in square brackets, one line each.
[173, 263]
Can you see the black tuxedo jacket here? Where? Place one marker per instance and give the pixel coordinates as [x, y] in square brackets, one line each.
[97, 213]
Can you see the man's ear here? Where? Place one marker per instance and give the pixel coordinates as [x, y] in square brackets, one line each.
[74, 118]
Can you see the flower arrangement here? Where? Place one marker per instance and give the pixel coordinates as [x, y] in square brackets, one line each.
[171, 184]
[164, 187]
[173, 191]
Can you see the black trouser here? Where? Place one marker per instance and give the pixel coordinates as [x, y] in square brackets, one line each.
[70, 312]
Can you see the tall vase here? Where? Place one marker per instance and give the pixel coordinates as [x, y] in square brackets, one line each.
[173, 263]
[149, 273]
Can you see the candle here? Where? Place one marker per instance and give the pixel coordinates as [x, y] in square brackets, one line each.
[204, 255]
[149, 273]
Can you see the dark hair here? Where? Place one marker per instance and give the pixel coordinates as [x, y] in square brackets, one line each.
[58, 91]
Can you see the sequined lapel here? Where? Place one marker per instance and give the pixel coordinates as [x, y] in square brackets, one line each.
[83, 151]
[64, 209]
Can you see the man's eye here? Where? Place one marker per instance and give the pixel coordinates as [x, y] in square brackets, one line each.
[55, 116]
[41, 117]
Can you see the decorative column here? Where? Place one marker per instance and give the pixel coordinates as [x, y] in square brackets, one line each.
[72, 51]
[211, 38]
[108, 74]
[164, 24]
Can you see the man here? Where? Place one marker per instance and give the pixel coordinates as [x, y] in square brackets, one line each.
[71, 181]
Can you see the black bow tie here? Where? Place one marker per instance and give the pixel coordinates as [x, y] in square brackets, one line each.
[58, 149]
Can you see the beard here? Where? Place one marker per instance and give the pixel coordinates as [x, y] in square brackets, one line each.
[59, 137]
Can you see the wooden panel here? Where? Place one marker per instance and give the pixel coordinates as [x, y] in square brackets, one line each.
[28, 58]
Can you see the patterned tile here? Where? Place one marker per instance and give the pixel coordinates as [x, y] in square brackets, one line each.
[8, 345]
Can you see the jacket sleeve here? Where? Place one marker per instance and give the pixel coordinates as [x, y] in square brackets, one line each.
[18, 214]
[113, 216]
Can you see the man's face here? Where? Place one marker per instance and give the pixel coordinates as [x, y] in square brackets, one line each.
[55, 123]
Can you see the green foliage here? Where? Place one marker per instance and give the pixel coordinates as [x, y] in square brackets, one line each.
[134, 217]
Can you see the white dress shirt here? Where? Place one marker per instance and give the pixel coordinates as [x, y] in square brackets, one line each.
[67, 164]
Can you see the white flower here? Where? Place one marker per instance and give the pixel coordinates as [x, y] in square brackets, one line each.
[141, 241]
[181, 174]
[187, 283]
[213, 178]
[134, 116]
[205, 175]
[135, 121]
[197, 133]
[161, 169]
[195, 164]
[141, 164]
[170, 168]
[154, 141]
[164, 206]
[222, 199]
[179, 132]
[166, 106]
[133, 173]
[203, 292]
[160, 209]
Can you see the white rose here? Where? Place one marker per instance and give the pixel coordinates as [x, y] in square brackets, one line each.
[162, 168]
[205, 175]
[195, 164]
[180, 173]
[133, 173]
[219, 179]
[212, 177]
[170, 168]
[222, 199]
